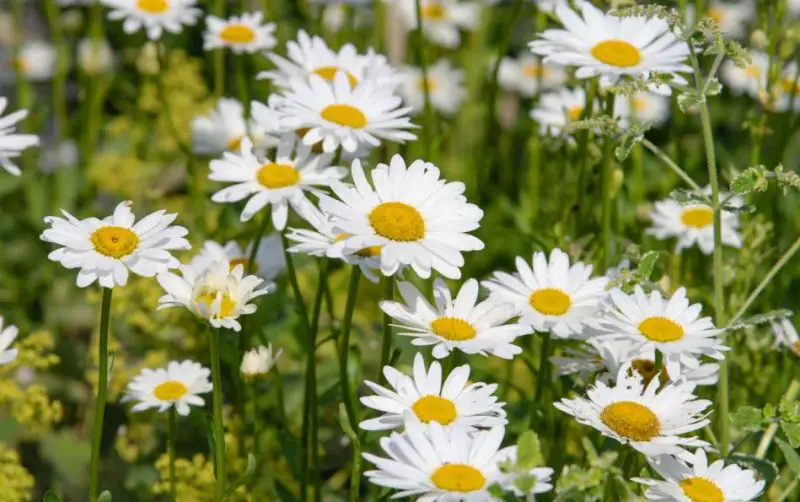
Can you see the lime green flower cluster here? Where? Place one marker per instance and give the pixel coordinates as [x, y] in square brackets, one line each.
[194, 480]
[16, 481]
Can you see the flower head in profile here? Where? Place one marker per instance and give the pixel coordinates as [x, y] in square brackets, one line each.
[223, 129]
[216, 294]
[106, 250]
[643, 107]
[557, 109]
[649, 419]
[11, 143]
[752, 79]
[786, 335]
[241, 34]
[418, 219]
[442, 20]
[269, 262]
[155, 16]
[460, 323]
[259, 361]
[445, 87]
[179, 384]
[280, 182]
[528, 75]
[7, 336]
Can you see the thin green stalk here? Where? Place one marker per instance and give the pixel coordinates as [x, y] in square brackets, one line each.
[355, 472]
[218, 56]
[583, 157]
[256, 243]
[379, 11]
[543, 378]
[102, 390]
[534, 171]
[789, 491]
[219, 429]
[769, 434]
[607, 181]
[422, 61]
[386, 343]
[344, 353]
[672, 165]
[240, 76]
[658, 363]
[171, 432]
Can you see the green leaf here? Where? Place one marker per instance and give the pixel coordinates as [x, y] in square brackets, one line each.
[647, 264]
[791, 456]
[689, 197]
[344, 422]
[713, 87]
[50, 497]
[772, 315]
[688, 100]
[748, 418]
[245, 477]
[769, 411]
[792, 432]
[104, 497]
[529, 453]
[768, 470]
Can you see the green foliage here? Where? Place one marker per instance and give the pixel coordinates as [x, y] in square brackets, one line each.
[748, 418]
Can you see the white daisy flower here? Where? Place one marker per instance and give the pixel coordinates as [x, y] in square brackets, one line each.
[525, 74]
[557, 109]
[691, 479]
[36, 60]
[672, 326]
[322, 241]
[786, 91]
[223, 129]
[95, 57]
[259, 361]
[693, 224]
[552, 296]
[452, 404]
[155, 16]
[11, 143]
[178, 385]
[337, 114]
[311, 56]
[217, 293]
[648, 419]
[752, 79]
[432, 464]
[643, 107]
[445, 85]
[105, 250]
[786, 335]
[442, 20]
[242, 34]
[269, 263]
[600, 44]
[456, 323]
[7, 336]
[281, 182]
[419, 219]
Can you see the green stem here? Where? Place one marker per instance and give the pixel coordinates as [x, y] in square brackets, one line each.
[422, 61]
[219, 430]
[240, 77]
[789, 491]
[344, 353]
[218, 56]
[171, 450]
[672, 165]
[379, 10]
[386, 343]
[102, 390]
[542, 378]
[607, 186]
[256, 243]
[766, 440]
[583, 157]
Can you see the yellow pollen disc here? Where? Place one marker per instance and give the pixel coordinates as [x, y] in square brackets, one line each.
[434, 409]
[153, 6]
[243, 262]
[638, 104]
[534, 70]
[550, 301]
[752, 71]
[115, 242]
[701, 490]
[617, 53]
[20, 64]
[458, 478]
[237, 34]
[661, 329]
[273, 175]
[433, 11]
[226, 306]
[328, 72]
[397, 221]
[431, 84]
[647, 370]
[631, 420]
[344, 115]
[453, 328]
[574, 112]
[718, 15]
[697, 217]
[234, 144]
[170, 390]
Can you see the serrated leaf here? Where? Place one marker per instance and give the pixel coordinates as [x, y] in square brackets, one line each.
[768, 470]
[529, 453]
[647, 264]
[50, 497]
[769, 411]
[748, 418]
[248, 473]
[688, 100]
[766, 317]
[713, 87]
[791, 456]
[792, 432]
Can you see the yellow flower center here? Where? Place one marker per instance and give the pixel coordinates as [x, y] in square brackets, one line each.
[20, 64]
[344, 115]
[235, 143]
[458, 478]
[226, 305]
[550, 301]
[617, 53]
[153, 6]
[631, 420]
[718, 15]
[752, 71]
[397, 221]
[115, 242]
[237, 34]
[431, 84]
[638, 104]
[660, 329]
[232, 264]
[787, 84]
[170, 390]
[328, 72]
[434, 409]
[574, 112]
[453, 328]
[535, 70]
[697, 217]
[433, 11]
[364, 253]
[701, 490]
[647, 370]
[274, 176]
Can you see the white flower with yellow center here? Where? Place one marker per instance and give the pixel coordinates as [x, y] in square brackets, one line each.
[460, 323]
[691, 478]
[323, 241]
[223, 129]
[786, 335]
[418, 219]
[105, 250]
[241, 34]
[693, 224]
[269, 263]
[11, 143]
[445, 86]
[259, 361]
[648, 419]
[551, 296]
[641, 108]
[280, 182]
[527, 75]
[452, 404]
[442, 20]
[217, 293]
[786, 91]
[179, 385]
[732, 18]
[671, 326]
[311, 56]
[155, 16]
[7, 336]
[557, 109]
[751, 79]
[600, 44]
[434, 464]
[36, 60]
[339, 114]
